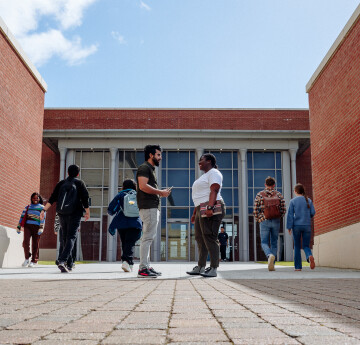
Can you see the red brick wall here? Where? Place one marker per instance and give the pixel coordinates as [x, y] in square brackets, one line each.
[335, 131]
[21, 127]
[50, 173]
[303, 171]
[176, 119]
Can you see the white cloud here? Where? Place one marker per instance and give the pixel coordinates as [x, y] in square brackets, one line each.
[118, 37]
[144, 6]
[23, 17]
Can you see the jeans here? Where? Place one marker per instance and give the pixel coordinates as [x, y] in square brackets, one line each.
[128, 239]
[150, 218]
[68, 234]
[269, 229]
[206, 236]
[72, 258]
[303, 231]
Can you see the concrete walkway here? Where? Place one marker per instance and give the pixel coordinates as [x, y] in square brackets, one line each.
[246, 304]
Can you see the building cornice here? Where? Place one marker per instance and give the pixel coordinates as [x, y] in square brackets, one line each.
[24, 58]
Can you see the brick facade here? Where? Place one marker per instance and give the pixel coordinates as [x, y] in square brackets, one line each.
[241, 119]
[21, 128]
[334, 100]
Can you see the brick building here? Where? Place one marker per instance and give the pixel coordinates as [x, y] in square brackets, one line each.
[107, 144]
[334, 99]
[22, 91]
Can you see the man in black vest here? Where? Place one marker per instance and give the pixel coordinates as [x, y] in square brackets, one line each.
[69, 220]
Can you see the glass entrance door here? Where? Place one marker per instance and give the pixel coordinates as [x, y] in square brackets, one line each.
[178, 241]
[90, 240]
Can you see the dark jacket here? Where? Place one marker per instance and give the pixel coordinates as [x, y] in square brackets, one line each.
[82, 195]
[120, 221]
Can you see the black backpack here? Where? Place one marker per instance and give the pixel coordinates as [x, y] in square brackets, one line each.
[68, 197]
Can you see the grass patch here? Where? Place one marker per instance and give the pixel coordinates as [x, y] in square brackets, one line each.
[285, 263]
[76, 262]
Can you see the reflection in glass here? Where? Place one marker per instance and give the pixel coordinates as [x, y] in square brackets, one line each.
[178, 159]
[92, 177]
[178, 212]
[177, 241]
[92, 159]
[264, 160]
[261, 175]
[178, 178]
[179, 197]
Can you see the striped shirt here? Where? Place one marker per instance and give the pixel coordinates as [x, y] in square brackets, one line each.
[33, 215]
[259, 204]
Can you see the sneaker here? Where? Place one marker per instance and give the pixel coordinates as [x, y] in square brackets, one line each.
[146, 273]
[271, 262]
[126, 267]
[62, 267]
[312, 262]
[197, 270]
[32, 264]
[156, 272]
[26, 263]
[209, 272]
[131, 267]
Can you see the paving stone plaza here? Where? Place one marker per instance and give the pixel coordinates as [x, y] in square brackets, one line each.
[245, 304]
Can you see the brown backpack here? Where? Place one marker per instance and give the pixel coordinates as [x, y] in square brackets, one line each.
[271, 205]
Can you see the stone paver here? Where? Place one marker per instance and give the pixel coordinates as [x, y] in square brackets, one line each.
[189, 310]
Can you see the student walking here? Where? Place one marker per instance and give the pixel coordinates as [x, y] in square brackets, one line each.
[72, 200]
[301, 210]
[223, 238]
[269, 208]
[33, 227]
[208, 213]
[148, 199]
[127, 221]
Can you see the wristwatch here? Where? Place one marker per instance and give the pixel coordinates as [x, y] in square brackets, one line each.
[208, 207]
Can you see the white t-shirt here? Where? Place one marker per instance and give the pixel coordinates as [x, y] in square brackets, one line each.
[201, 187]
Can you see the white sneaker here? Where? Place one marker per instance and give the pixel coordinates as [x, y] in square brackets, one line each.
[271, 261]
[131, 267]
[26, 263]
[126, 267]
[32, 264]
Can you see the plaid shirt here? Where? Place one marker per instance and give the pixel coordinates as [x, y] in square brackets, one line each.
[259, 204]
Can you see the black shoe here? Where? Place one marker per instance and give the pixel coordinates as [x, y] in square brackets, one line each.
[156, 272]
[56, 262]
[62, 267]
[146, 273]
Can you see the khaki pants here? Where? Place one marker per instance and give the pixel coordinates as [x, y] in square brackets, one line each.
[206, 236]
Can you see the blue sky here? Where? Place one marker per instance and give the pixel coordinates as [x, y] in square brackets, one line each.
[176, 53]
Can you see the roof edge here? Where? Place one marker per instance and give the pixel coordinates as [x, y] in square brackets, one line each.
[20, 52]
[334, 48]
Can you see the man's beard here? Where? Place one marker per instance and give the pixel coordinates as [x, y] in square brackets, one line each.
[155, 161]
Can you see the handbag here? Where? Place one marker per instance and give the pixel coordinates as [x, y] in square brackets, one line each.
[23, 221]
[217, 208]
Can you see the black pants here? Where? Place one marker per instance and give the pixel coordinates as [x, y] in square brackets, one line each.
[128, 239]
[206, 236]
[223, 251]
[68, 234]
[70, 261]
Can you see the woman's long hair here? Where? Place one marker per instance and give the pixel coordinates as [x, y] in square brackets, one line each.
[299, 189]
[210, 157]
[41, 201]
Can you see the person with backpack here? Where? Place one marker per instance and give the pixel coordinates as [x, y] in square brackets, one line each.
[33, 227]
[301, 210]
[72, 199]
[127, 221]
[269, 208]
